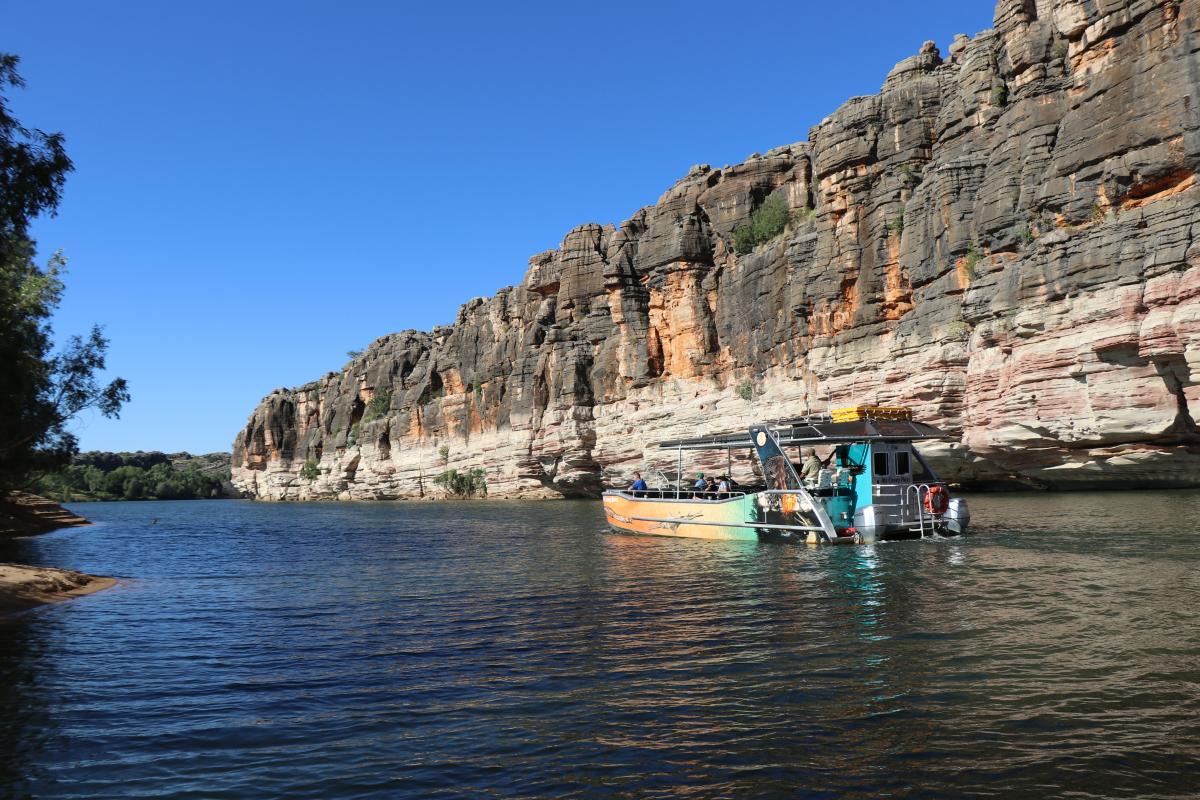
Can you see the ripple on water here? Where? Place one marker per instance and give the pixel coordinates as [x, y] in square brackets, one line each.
[507, 649]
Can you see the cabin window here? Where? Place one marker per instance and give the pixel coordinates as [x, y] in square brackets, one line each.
[881, 463]
[901, 463]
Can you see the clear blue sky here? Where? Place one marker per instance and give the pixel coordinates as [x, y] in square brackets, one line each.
[262, 186]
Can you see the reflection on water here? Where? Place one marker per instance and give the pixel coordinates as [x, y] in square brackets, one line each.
[508, 649]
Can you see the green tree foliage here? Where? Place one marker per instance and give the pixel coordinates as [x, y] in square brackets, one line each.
[132, 476]
[379, 406]
[463, 484]
[310, 471]
[766, 222]
[971, 261]
[40, 390]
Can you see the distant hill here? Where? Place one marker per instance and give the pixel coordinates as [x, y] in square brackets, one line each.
[141, 475]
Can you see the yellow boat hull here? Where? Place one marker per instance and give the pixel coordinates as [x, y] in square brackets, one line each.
[689, 518]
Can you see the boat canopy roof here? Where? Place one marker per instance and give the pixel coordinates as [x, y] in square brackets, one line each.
[816, 430]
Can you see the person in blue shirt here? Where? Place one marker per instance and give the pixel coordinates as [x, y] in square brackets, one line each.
[700, 485]
[638, 484]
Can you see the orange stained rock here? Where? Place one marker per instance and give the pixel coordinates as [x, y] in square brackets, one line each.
[675, 319]
[897, 289]
[1168, 185]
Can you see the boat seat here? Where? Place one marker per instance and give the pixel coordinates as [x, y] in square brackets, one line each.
[825, 479]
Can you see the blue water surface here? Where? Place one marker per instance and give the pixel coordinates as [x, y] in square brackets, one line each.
[506, 649]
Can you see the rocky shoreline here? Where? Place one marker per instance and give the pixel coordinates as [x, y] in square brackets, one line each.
[25, 514]
[23, 586]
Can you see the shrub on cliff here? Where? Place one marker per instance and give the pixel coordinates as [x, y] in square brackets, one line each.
[380, 405]
[42, 390]
[462, 484]
[766, 222]
[310, 471]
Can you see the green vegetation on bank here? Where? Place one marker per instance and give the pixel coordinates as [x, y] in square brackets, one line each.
[462, 484]
[137, 476]
[311, 470]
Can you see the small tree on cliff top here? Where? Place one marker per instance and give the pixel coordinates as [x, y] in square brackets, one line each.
[40, 391]
[766, 222]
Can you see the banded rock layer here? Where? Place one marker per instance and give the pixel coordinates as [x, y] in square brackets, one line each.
[1004, 238]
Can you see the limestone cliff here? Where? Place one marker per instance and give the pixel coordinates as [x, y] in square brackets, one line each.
[1004, 238]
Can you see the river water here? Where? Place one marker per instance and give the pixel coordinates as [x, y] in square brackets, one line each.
[503, 649]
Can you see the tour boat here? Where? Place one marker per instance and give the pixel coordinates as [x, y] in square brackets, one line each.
[873, 484]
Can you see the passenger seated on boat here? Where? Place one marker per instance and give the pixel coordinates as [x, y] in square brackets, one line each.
[723, 485]
[710, 485]
[812, 466]
[638, 484]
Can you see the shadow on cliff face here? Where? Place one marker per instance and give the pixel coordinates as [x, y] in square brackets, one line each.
[1001, 238]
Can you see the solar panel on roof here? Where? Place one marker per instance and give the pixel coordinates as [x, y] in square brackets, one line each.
[808, 430]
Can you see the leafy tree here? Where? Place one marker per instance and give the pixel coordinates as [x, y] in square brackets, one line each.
[310, 471]
[134, 489]
[40, 390]
[380, 405]
[766, 222]
[125, 476]
[462, 484]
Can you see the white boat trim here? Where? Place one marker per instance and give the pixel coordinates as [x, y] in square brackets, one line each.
[670, 520]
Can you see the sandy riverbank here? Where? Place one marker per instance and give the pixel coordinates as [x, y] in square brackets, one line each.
[21, 586]
[24, 587]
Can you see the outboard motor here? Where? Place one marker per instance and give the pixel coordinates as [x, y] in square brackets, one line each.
[957, 516]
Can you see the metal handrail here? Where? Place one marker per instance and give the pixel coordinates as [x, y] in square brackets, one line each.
[922, 491]
[671, 494]
[666, 481]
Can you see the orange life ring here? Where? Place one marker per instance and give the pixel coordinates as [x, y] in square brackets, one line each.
[937, 500]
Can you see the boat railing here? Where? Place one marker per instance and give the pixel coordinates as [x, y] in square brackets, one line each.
[679, 494]
[666, 481]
